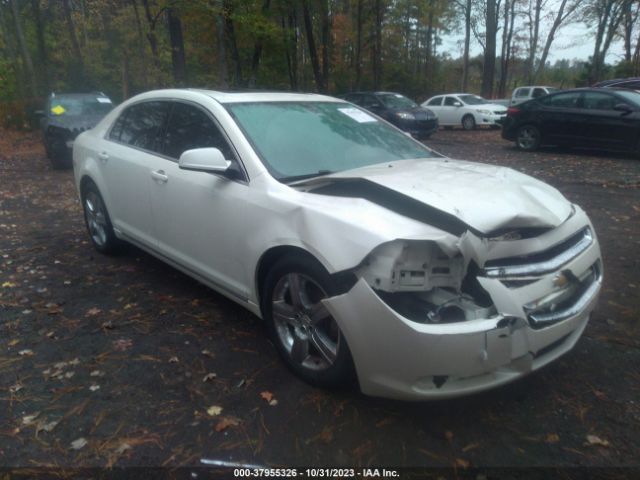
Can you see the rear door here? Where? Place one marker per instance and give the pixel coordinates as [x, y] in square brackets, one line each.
[199, 216]
[126, 161]
[435, 105]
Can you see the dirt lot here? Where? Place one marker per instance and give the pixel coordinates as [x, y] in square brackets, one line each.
[129, 355]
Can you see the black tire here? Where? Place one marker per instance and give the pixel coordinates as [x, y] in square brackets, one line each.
[97, 220]
[297, 330]
[528, 138]
[468, 122]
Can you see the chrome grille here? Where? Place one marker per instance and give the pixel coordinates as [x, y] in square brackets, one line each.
[540, 263]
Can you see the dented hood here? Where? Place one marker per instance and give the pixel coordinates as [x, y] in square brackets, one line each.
[484, 197]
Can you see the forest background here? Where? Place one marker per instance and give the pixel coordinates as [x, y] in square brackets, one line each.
[123, 47]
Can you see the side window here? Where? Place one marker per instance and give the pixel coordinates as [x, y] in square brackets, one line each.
[562, 100]
[538, 92]
[116, 129]
[189, 128]
[522, 92]
[450, 101]
[598, 101]
[143, 125]
[369, 101]
[435, 102]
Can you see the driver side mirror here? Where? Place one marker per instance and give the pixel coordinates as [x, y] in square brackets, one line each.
[204, 160]
[623, 107]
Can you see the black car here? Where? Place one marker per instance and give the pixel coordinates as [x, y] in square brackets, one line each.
[403, 112]
[67, 115]
[584, 118]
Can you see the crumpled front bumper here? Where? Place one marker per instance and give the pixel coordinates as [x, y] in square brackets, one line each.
[399, 358]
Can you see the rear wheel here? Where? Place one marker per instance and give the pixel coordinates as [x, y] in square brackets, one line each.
[528, 138]
[468, 122]
[306, 335]
[97, 220]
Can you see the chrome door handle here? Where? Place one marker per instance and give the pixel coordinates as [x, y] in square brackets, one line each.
[103, 156]
[159, 176]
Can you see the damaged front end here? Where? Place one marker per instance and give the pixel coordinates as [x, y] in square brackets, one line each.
[429, 319]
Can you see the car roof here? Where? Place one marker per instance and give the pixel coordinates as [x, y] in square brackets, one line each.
[243, 96]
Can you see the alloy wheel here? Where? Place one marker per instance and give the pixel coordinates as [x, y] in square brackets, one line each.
[96, 218]
[304, 326]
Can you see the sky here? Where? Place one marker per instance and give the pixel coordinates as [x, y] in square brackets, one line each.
[573, 41]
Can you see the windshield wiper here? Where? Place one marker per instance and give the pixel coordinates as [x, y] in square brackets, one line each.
[295, 178]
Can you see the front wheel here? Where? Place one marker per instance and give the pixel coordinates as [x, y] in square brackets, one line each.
[306, 335]
[528, 138]
[468, 122]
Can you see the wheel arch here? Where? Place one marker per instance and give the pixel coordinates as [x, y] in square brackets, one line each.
[344, 280]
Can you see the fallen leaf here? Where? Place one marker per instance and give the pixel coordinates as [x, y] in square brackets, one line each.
[14, 342]
[74, 362]
[209, 376]
[47, 427]
[273, 402]
[214, 411]
[124, 446]
[78, 443]
[16, 388]
[92, 312]
[27, 352]
[597, 441]
[93, 388]
[226, 422]
[207, 353]
[108, 325]
[174, 360]
[8, 285]
[69, 374]
[28, 420]
[268, 396]
[471, 446]
[552, 438]
[122, 344]
[96, 373]
[460, 462]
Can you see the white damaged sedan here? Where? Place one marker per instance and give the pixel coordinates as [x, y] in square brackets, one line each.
[371, 258]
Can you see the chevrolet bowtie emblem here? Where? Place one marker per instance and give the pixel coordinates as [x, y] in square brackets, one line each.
[560, 280]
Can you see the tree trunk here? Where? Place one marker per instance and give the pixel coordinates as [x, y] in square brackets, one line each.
[74, 41]
[467, 41]
[230, 34]
[289, 31]
[24, 51]
[257, 48]
[43, 59]
[178, 60]
[359, 44]
[560, 18]
[151, 35]
[489, 65]
[534, 31]
[313, 53]
[223, 72]
[377, 45]
[326, 43]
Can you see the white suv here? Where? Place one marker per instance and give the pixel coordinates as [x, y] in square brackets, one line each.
[524, 94]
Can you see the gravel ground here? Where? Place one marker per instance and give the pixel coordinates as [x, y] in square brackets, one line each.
[124, 361]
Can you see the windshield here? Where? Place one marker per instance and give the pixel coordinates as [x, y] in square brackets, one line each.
[552, 89]
[85, 105]
[396, 101]
[472, 100]
[632, 96]
[304, 139]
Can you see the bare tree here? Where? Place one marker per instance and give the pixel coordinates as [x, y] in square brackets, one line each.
[24, 50]
[491, 31]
